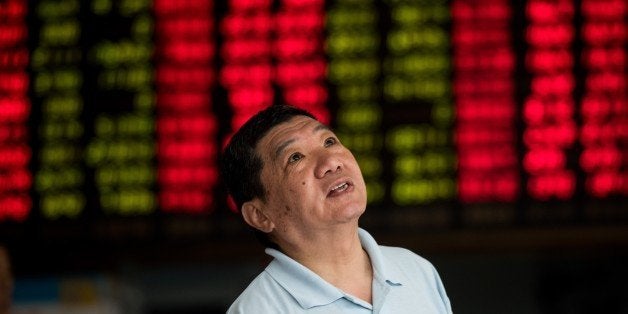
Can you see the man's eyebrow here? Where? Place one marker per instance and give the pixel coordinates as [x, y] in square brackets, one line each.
[320, 127]
[282, 146]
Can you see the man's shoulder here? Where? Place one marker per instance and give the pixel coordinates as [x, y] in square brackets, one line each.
[256, 293]
[261, 295]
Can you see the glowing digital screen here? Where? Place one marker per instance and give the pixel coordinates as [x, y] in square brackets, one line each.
[116, 110]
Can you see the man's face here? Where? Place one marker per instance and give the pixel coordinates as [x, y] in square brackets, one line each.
[312, 182]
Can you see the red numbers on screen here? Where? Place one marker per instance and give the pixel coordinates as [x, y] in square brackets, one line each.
[186, 127]
[262, 48]
[604, 106]
[550, 129]
[485, 133]
[15, 154]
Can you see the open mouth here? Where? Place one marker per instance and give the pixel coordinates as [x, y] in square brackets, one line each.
[338, 189]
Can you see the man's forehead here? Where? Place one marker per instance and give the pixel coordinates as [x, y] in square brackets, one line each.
[289, 129]
[286, 133]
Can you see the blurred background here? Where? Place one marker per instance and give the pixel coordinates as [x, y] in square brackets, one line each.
[493, 136]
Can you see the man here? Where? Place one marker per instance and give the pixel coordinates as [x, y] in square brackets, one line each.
[303, 193]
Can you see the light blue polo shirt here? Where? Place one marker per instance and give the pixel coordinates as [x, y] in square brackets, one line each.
[403, 282]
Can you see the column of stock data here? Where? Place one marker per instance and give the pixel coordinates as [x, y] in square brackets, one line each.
[417, 93]
[120, 150]
[266, 48]
[298, 50]
[56, 90]
[352, 46]
[15, 154]
[483, 80]
[604, 104]
[186, 126]
[548, 109]
[246, 73]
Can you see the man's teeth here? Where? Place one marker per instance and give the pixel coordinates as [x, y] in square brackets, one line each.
[340, 187]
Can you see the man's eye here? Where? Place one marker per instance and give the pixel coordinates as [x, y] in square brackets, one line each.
[295, 157]
[330, 141]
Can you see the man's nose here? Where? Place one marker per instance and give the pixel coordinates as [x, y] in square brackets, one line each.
[328, 163]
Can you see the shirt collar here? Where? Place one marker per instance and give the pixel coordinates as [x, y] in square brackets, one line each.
[380, 271]
[309, 289]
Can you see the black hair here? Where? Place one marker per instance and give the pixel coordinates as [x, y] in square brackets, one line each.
[241, 165]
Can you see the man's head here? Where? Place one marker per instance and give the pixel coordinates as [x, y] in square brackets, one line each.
[289, 174]
[241, 165]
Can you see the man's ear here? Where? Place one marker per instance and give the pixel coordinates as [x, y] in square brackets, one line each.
[255, 217]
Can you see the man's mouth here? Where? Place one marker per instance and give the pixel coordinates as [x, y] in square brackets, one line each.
[335, 190]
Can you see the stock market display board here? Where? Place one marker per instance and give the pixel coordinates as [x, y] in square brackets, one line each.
[462, 114]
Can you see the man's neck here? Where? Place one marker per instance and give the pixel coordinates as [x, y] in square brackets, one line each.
[337, 256]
